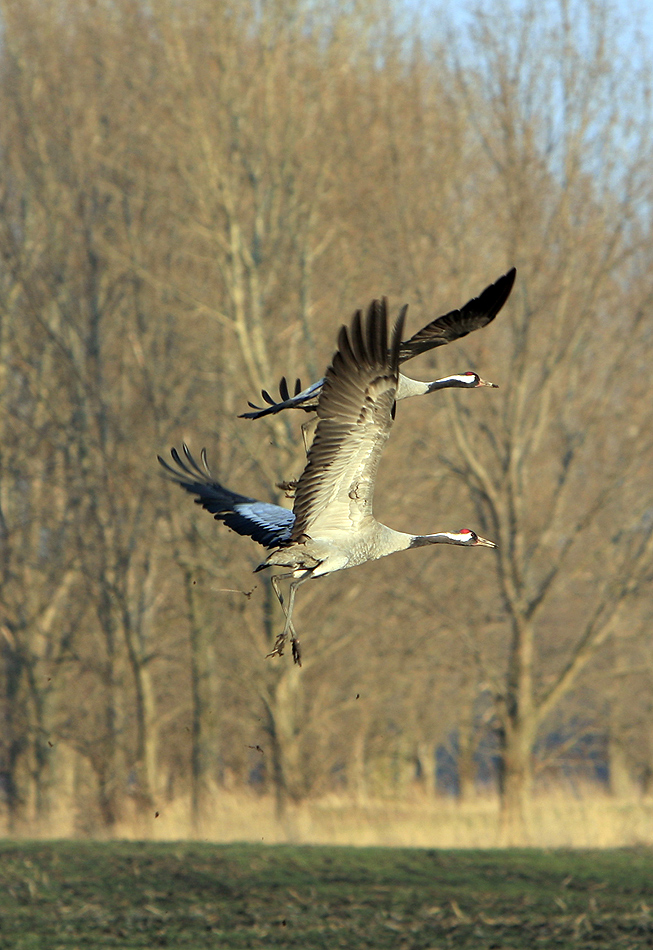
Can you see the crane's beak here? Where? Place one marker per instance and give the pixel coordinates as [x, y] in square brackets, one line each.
[485, 382]
[485, 542]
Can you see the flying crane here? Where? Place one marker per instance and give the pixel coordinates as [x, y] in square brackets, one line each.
[331, 526]
[473, 315]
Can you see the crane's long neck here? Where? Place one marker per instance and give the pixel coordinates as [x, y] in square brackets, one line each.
[415, 387]
[387, 540]
[442, 537]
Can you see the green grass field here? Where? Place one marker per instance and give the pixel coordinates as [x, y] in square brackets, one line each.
[69, 895]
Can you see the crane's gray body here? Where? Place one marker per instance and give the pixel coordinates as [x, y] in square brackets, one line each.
[325, 555]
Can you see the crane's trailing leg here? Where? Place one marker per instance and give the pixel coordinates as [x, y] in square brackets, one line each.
[280, 642]
[308, 433]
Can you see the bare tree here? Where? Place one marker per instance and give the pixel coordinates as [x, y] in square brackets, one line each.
[193, 201]
[549, 468]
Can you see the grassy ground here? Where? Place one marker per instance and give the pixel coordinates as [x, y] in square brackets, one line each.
[126, 894]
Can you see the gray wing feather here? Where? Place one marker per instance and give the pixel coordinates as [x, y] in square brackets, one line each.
[355, 412]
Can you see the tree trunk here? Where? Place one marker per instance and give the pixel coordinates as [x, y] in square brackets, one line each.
[466, 763]
[146, 738]
[204, 749]
[357, 771]
[106, 759]
[13, 731]
[425, 754]
[288, 719]
[620, 778]
[284, 720]
[515, 780]
[28, 757]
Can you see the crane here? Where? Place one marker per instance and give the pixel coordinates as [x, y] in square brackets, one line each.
[473, 315]
[331, 526]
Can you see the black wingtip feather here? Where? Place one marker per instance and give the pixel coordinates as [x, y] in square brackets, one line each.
[375, 319]
[494, 296]
[396, 338]
[195, 469]
[358, 333]
[383, 334]
[365, 342]
[345, 348]
[476, 313]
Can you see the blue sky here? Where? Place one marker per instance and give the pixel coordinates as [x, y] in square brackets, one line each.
[636, 16]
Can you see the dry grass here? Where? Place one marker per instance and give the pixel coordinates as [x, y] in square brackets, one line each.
[560, 817]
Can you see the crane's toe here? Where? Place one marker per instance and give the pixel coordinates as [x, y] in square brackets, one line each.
[279, 645]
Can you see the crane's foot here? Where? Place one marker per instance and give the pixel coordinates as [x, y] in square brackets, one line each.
[288, 487]
[279, 645]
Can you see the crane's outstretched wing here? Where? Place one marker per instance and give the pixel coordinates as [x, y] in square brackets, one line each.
[355, 413]
[452, 326]
[476, 313]
[268, 524]
[302, 399]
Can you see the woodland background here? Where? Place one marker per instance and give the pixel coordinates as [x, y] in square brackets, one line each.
[193, 197]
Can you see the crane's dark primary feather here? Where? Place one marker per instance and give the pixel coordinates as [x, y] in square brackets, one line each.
[306, 400]
[452, 326]
[270, 525]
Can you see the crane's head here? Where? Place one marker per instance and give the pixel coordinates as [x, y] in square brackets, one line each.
[471, 380]
[467, 380]
[470, 538]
